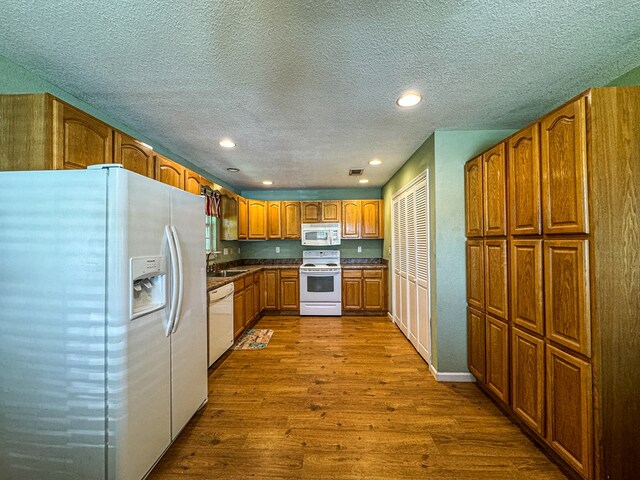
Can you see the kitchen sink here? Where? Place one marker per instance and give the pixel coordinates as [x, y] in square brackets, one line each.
[225, 273]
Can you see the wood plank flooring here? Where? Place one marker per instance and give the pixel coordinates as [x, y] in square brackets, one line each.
[345, 398]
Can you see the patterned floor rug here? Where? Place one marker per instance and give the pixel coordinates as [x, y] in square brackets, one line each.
[254, 339]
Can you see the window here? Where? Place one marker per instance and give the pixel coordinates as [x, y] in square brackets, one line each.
[210, 233]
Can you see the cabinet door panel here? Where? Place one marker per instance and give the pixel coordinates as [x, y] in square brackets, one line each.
[569, 409]
[564, 170]
[524, 182]
[497, 362]
[475, 274]
[272, 289]
[371, 219]
[473, 197]
[79, 139]
[495, 278]
[311, 212]
[257, 211]
[374, 290]
[243, 218]
[476, 339]
[248, 301]
[527, 379]
[331, 211]
[526, 285]
[494, 191]
[192, 182]
[352, 292]
[567, 304]
[134, 155]
[274, 224]
[350, 219]
[289, 289]
[238, 313]
[290, 220]
[169, 172]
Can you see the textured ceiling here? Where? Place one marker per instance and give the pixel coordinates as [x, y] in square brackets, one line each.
[307, 89]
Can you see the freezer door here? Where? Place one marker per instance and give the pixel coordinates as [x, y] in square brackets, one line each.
[189, 337]
[139, 384]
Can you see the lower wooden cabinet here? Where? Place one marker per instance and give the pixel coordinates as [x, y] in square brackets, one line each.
[364, 290]
[476, 340]
[289, 289]
[238, 311]
[497, 358]
[528, 379]
[272, 289]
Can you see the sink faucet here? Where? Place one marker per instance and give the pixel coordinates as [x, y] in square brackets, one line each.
[215, 253]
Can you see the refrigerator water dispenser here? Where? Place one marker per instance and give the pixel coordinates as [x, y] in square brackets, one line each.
[148, 283]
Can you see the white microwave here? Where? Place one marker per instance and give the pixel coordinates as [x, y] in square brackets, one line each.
[320, 234]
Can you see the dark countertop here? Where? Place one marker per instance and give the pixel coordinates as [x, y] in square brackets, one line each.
[215, 282]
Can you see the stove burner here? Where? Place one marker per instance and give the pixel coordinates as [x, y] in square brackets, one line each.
[332, 264]
[309, 265]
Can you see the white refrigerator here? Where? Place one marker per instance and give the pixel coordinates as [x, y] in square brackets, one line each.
[103, 353]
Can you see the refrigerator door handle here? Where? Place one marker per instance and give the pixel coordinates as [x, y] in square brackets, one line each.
[173, 255]
[181, 279]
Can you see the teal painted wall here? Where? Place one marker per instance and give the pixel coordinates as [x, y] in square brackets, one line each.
[632, 77]
[355, 193]
[15, 79]
[293, 249]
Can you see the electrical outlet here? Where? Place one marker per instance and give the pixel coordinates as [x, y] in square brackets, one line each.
[225, 251]
[359, 249]
[277, 249]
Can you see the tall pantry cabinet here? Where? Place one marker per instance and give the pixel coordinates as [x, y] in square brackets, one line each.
[554, 296]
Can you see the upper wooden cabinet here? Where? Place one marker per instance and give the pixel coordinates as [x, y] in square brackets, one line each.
[257, 211]
[524, 182]
[243, 218]
[40, 132]
[321, 211]
[290, 213]
[274, 222]
[192, 182]
[564, 169]
[567, 304]
[473, 197]
[494, 191]
[527, 285]
[311, 212]
[134, 155]
[350, 219]
[362, 219]
[229, 210]
[169, 172]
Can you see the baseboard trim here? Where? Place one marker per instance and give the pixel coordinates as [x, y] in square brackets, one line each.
[451, 376]
[390, 316]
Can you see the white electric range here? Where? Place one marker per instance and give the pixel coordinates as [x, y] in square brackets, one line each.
[321, 283]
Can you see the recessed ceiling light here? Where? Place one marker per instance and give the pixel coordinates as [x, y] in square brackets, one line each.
[233, 169]
[363, 180]
[375, 161]
[267, 182]
[409, 99]
[227, 143]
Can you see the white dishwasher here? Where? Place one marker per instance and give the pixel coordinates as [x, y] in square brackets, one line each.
[220, 321]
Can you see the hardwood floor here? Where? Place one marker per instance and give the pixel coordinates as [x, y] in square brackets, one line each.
[345, 398]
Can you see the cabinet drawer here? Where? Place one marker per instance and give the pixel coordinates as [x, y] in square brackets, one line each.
[238, 284]
[352, 274]
[291, 273]
[372, 273]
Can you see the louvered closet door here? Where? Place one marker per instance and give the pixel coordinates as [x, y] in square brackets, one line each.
[395, 264]
[402, 260]
[411, 309]
[423, 269]
[412, 286]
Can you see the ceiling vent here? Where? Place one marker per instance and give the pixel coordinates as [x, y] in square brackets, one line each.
[356, 171]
